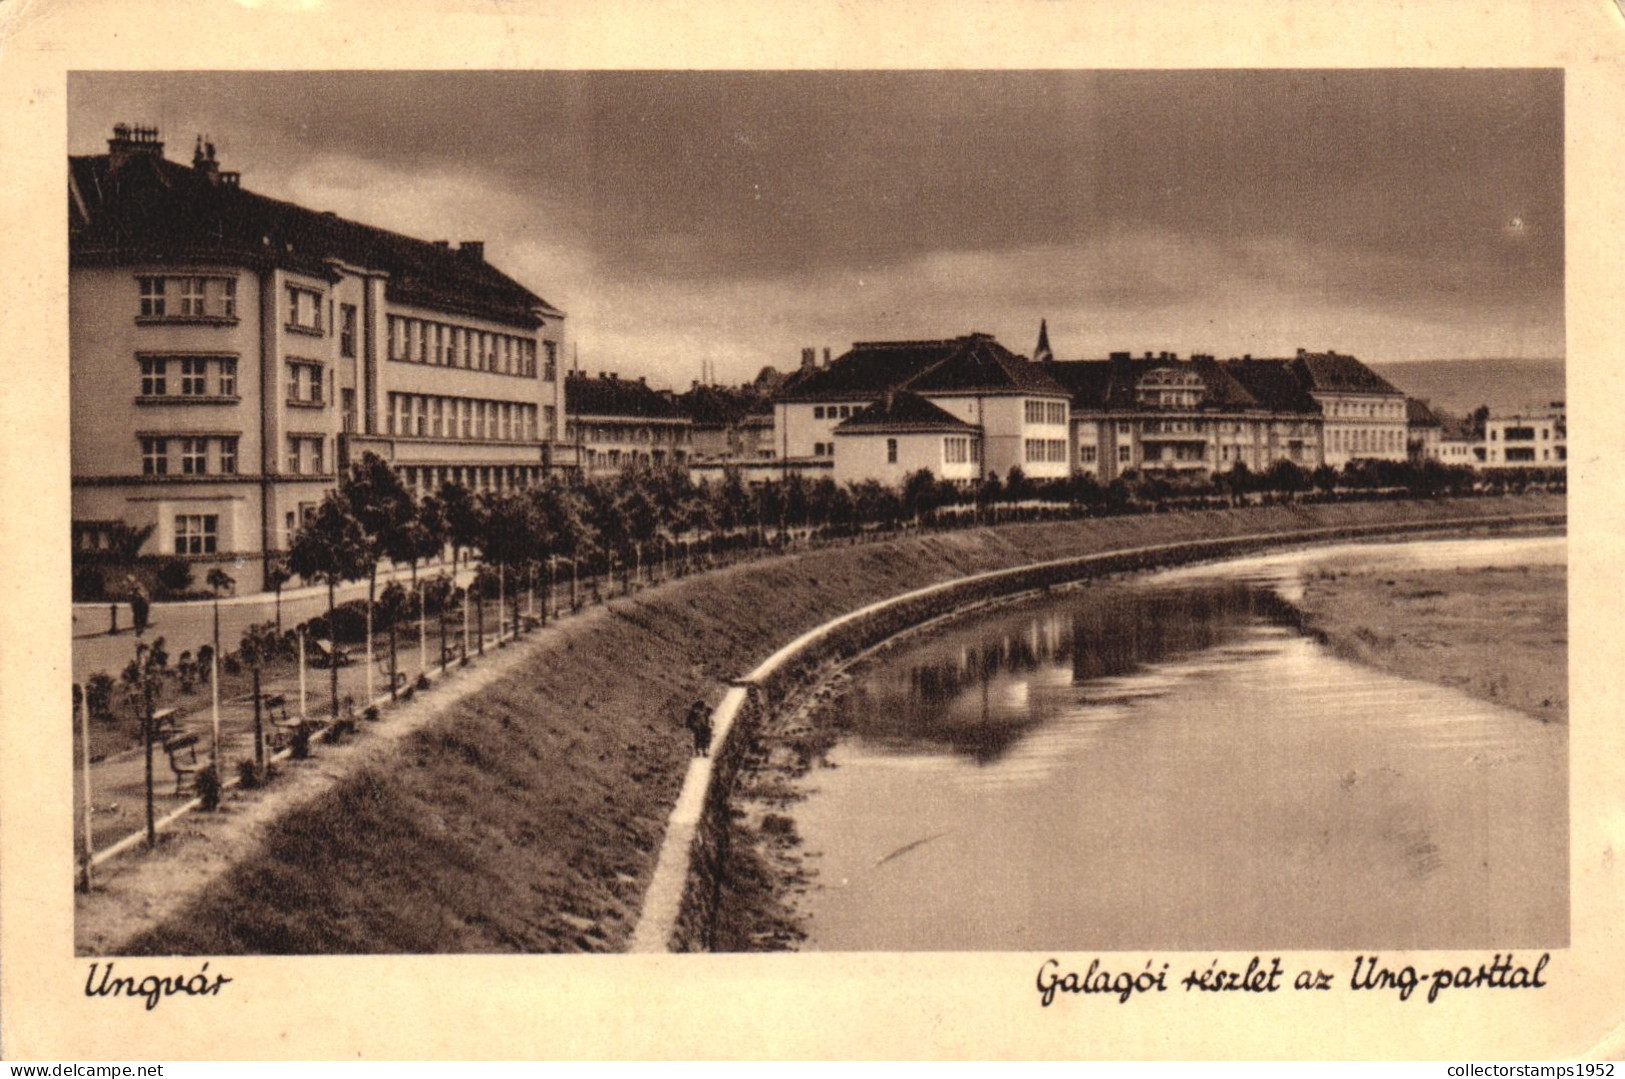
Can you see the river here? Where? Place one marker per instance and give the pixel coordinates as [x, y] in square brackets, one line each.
[1166, 762]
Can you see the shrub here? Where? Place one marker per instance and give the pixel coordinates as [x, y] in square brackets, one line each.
[423, 681]
[99, 694]
[248, 774]
[175, 576]
[299, 748]
[349, 622]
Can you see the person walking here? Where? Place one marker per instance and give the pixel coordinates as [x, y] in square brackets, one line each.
[140, 606]
[698, 722]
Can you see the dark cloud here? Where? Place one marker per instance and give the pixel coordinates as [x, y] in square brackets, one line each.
[1371, 200]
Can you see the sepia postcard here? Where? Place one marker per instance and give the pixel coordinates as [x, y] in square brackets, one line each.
[929, 530]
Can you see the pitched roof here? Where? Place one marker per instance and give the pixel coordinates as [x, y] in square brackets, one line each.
[1273, 383]
[868, 369]
[154, 210]
[969, 364]
[904, 413]
[982, 365]
[586, 395]
[1418, 414]
[1113, 385]
[1331, 372]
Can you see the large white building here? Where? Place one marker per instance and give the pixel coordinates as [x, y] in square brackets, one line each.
[1018, 414]
[1528, 438]
[230, 354]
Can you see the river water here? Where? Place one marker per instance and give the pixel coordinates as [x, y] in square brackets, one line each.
[1167, 763]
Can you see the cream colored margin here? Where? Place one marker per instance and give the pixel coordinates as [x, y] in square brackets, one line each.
[951, 1005]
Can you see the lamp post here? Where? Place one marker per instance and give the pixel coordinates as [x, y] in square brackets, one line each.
[87, 847]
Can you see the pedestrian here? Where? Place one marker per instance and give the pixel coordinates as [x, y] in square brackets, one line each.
[699, 724]
[139, 606]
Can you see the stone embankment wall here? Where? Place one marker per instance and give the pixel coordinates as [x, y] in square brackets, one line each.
[688, 926]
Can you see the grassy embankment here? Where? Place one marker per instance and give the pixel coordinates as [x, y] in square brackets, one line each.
[1498, 634]
[528, 816]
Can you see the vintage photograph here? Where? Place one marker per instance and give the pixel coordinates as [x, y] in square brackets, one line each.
[825, 511]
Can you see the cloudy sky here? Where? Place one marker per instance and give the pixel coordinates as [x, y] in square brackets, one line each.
[735, 217]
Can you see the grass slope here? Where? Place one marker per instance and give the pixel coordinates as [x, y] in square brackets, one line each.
[528, 817]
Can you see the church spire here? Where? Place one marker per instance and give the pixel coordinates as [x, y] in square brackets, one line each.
[1042, 353]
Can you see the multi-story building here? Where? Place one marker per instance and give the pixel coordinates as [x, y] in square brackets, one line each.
[1424, 432]
[230, 354]
[1529, 438]
[1184, 418]
[616, 422]
[1019, 413]
[1362, 413]
[729, 425]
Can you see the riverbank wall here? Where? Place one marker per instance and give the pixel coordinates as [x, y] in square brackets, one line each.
[544, 812]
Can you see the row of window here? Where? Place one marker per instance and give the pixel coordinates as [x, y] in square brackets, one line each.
[959, 450]
[655, 433]
[1369, 409]
[835, 412]
[1046, 450]
[188, 297]
[823, 449]
[416, 340]
[1364, 440]
[428, 479]
[188, 376]
[1045, 411]
[194, 455]
[427, 416]
[307, 455]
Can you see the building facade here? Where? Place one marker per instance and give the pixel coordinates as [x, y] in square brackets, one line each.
[1019, 413]
[1529, 438]
[615, 423]
[230, 355]
[902, 433]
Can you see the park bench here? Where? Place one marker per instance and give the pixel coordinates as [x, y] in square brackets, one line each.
[164, 719]
[182, 751]
[330, 655]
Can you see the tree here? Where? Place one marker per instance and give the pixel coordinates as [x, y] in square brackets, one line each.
[124, 541]
[259, 644]
[277, 575]
[513, 538]
[919, 490]
[143, 679]
[461, 513]
[332, 549]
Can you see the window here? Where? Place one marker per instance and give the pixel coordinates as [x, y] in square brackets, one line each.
[550, 360]
[152, 297]
[228, 297]
[1034, 446]
[196, 533]
[194, 456]
[228, 378]
[1034, 414]
[304, 383]
[818, 412]
[1125, 454]
[304, 309]
[347, 318]
[194, 376]
[956, 451]
[549, 418]
[228, 456]
[294, 446]
[153, 381]
[317, 455]
[1055, 412]
[1086, 455]
[154, 457]
[437, 420]
[891, 451]
[193, 290]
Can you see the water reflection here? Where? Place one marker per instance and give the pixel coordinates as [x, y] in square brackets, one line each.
[971, 693]
[1169, 764]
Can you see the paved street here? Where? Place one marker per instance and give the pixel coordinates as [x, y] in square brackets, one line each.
[185, 626]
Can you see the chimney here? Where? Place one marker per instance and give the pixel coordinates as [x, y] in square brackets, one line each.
[472, 250]
[1148, 354]
[1247, 357]
[130, 142]
[444, 245]
[1302, 352]
[809, 359]
[826, 355]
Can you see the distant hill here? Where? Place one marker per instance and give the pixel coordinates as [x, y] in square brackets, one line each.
[1459, 386]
